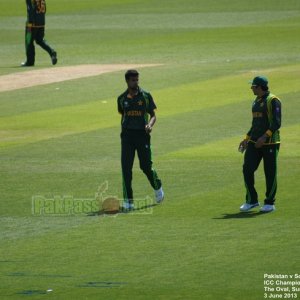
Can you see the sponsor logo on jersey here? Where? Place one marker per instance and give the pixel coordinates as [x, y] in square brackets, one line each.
[134, 113]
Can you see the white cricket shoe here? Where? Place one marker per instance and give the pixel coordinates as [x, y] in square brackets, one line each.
[127, 206]
[159, 195]
[247, 206]
[267, 208]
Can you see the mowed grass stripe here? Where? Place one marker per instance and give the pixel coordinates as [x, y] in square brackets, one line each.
[169, 20]
[194, 246]
[41, 125]
[227, 147]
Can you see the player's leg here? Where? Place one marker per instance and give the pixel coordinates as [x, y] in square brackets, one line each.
[252, 160]
[29, 47]
[143, 146]
[270, 154]
[39, 39]
[127, 159]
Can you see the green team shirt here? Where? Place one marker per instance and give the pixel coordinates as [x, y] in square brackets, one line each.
[135, 111]
[266, 112]
[36, 10]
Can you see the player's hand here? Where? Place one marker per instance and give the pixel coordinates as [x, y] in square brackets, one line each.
[260, 142]
[148, 128]
[243, 145]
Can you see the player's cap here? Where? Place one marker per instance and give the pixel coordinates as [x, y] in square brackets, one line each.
[259, 81]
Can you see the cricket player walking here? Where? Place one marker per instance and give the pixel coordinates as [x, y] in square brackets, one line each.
[136, 107]
[262, 142]
[35, 31]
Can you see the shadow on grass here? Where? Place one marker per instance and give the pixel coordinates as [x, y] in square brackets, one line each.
[123, 211]
[240, 215]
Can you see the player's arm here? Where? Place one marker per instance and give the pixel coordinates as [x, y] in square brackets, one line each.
[30, 13]
[274, 125]
[276, 117]
[151, 122]
[120, 107]
[34, 12]
[244, 143]
[151, 111]
[248, 135]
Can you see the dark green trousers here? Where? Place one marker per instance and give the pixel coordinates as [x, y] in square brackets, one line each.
[252, 160]
[35, 34]
[136, 141]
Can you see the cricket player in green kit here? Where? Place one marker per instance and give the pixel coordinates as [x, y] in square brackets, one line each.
[35, 31]
[137, 108]
[262, 142]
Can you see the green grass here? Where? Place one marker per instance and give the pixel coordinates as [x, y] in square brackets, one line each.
[61, 140]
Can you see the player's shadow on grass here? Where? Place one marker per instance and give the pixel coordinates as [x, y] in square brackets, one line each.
[240, 215]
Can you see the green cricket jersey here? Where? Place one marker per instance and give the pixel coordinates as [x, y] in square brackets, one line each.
[36, 10]
[135, 111]
[266, 112]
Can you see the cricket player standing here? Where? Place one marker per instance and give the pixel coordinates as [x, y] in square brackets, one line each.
[262, 142]
[35, 31]
[136, 106]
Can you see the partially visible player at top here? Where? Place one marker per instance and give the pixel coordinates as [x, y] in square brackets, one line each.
[35, 31]
[262, 142]
[138, 118]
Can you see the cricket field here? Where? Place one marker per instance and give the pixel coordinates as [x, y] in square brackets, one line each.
[60, 151]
